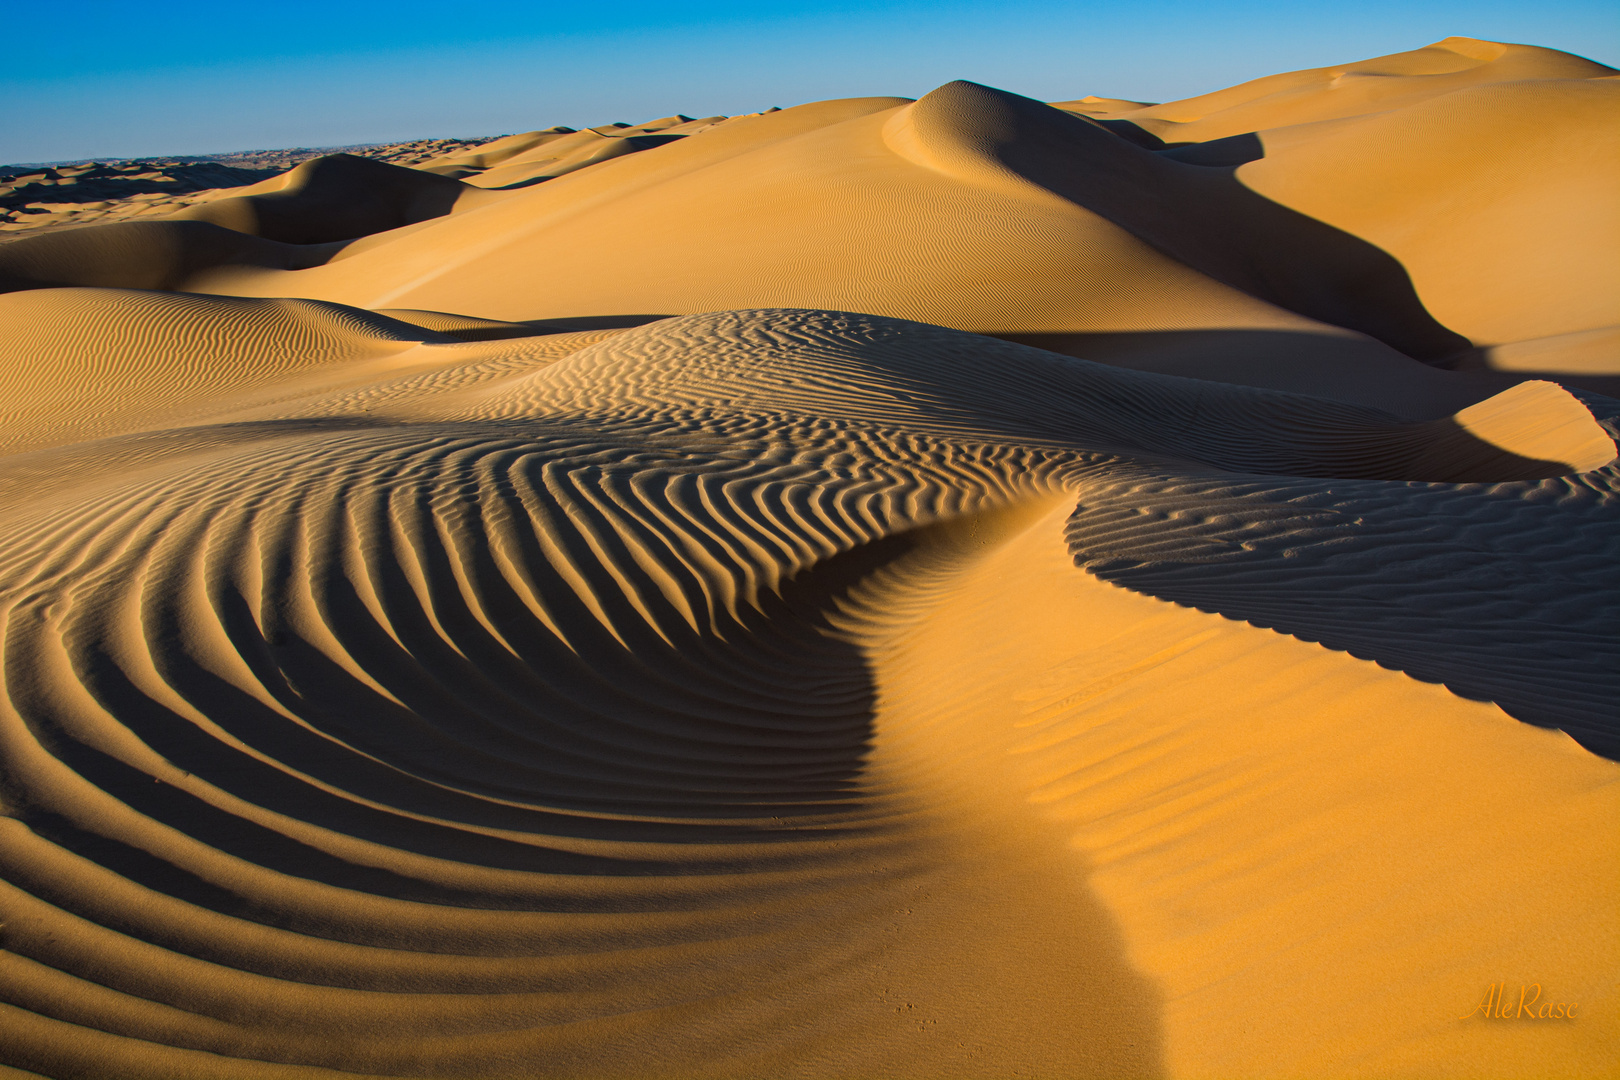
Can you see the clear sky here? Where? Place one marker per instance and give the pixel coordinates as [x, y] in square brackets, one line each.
[99, 78]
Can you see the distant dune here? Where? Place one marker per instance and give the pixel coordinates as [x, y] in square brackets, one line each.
[36, 198]
[964, 587]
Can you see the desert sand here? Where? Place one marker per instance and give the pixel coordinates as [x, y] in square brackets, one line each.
[955, 587]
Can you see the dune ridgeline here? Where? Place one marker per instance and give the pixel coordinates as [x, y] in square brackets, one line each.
[955, 587]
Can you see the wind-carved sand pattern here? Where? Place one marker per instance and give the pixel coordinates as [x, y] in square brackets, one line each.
[648, 675]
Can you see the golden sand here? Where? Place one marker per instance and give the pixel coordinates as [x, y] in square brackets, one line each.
[963, 587]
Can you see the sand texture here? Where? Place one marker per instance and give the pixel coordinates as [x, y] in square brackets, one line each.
[964, 587]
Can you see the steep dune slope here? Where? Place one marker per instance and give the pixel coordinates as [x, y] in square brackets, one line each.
[1497, 200]
[1483, 168]
[996, 140]
[772, 211]
[770, 208]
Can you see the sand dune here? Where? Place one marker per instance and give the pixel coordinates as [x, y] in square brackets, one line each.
[37, 199]
[93, 191]
[1382, 84]
[876, 588]
[340, 197]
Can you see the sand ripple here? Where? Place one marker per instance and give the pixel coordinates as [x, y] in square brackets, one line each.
[530, 731]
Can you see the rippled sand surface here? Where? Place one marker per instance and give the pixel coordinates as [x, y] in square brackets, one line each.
[963, 587]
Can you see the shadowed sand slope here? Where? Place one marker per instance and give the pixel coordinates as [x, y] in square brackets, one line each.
[620, 617]
[143, 255]
[338, 197]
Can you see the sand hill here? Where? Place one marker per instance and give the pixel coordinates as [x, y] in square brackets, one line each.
[960, 587]
[40, 198]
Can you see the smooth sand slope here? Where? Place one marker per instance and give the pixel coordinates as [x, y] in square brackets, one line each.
[965, 587]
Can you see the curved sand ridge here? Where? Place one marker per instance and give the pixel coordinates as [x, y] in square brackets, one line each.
[722, 698]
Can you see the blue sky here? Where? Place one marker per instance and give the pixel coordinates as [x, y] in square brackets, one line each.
[115, 79]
